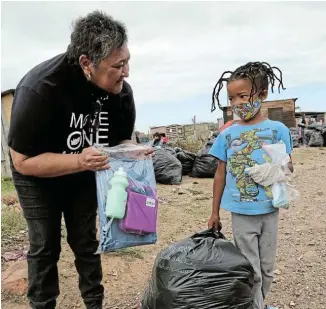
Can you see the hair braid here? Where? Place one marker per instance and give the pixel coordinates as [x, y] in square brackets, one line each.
[261, 75]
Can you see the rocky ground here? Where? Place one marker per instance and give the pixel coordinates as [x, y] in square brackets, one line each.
[301, 264]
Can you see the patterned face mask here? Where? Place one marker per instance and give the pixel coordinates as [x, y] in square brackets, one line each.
[247, 111]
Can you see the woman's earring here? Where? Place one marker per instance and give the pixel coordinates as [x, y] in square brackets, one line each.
[88, 76]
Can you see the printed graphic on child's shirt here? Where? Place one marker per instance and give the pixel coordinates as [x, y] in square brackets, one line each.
[242, 149]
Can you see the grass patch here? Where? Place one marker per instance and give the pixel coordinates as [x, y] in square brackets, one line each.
[12, 222]
[130, 252]
[7, 186]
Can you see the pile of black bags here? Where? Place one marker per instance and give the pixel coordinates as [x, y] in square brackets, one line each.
[167, 168]
[204, 271]
[170, 164]
[315, 135]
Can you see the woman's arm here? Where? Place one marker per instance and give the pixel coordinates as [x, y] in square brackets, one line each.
[53, 164]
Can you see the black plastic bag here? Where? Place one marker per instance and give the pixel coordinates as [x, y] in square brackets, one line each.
[315, 126]
[187, 160]
[307, 135]
[323, 132]
[316, 139]
[204, 271]
[168, 169]
[205, 165]
[169, 150]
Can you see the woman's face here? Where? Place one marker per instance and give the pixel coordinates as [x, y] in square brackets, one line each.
[110, 73]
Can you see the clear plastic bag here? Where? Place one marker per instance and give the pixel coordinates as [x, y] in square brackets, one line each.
[138, 226]
[283, 192]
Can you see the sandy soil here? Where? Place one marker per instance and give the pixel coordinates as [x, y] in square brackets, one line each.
[301, 263]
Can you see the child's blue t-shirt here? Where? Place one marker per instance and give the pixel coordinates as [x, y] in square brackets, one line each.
[240, 146]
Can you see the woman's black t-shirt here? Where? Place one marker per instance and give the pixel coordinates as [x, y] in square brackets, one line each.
[54, 109]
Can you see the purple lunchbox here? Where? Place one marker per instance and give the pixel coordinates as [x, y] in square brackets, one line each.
[141, 213]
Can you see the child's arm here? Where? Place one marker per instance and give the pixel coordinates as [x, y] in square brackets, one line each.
[218, 188]
[287, 140]
[290, 165]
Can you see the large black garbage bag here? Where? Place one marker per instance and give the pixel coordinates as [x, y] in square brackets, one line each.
[205, 165]
[316, 139]
[307, 135]
[204, 271]
[168, 169]
[177, 149]
[169, 150]
[323, 132]
[187, 160]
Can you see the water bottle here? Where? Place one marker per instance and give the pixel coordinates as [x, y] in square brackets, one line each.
[117, 196]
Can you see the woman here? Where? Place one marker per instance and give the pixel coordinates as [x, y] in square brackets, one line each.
[61, 108]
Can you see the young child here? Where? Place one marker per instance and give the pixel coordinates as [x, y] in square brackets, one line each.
[254, 219]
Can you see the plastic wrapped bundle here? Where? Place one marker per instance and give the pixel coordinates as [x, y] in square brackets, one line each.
[127, 199]
[204, 271]
[168, 169]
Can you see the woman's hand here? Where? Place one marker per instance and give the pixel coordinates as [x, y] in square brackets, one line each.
[150, 151]
[93, 160]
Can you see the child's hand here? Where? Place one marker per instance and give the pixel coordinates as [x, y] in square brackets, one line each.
[214, 221]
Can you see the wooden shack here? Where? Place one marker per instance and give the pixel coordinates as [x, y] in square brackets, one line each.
[7, 98]
[280, 110]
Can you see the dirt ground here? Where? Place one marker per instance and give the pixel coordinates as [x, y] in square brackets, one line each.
[301, 261]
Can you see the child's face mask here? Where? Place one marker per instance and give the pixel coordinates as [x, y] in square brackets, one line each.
[247, 111]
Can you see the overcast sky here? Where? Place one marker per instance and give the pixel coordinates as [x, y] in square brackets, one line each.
[179, 49]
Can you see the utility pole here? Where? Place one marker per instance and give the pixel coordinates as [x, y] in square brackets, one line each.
[194, 123]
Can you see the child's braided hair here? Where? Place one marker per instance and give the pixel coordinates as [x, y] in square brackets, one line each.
[261, 75]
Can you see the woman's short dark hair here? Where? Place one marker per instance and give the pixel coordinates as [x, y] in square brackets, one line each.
[96, 35]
